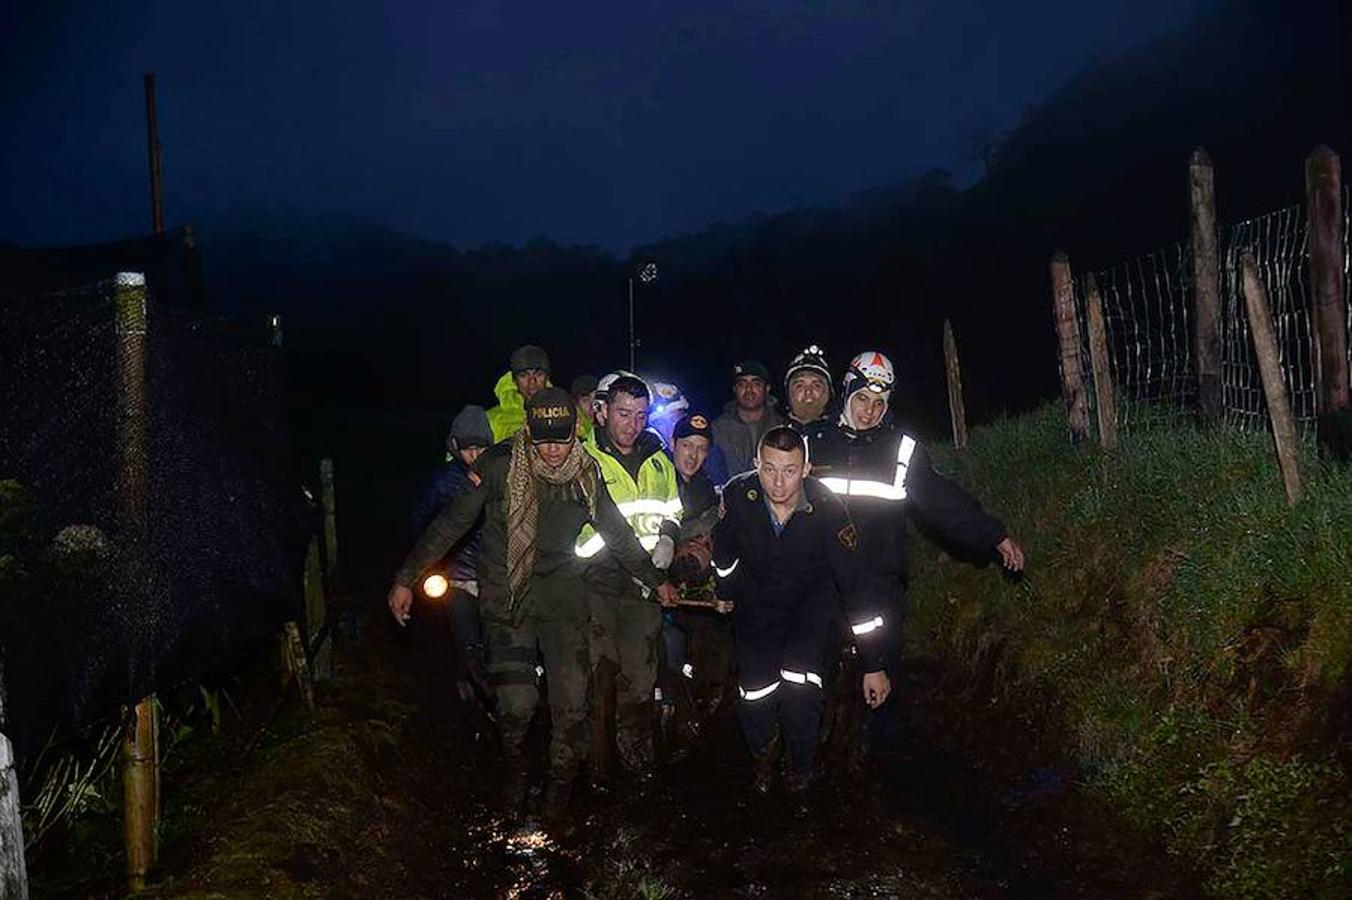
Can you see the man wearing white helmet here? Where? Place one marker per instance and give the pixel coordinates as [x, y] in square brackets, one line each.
[884, 475]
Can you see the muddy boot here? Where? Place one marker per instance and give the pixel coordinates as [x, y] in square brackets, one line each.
[557, 812]
[515, 783]
[764, 766]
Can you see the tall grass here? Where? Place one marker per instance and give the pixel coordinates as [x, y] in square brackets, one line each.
[1194, 632]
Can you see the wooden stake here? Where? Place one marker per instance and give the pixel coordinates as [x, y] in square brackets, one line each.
[130, 294]
[316, 614]
[140, 792]
[1068, 336]
[1324, 203]
[153, 142]
[1270, 367]
[957, 412]
[1206, 288]
[330, 519]
[295, 663]
[1106, 399]
[13, 873]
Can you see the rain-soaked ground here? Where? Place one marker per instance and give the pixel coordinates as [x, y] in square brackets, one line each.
[389, 790]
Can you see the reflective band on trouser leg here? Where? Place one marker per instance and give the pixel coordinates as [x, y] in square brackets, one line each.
[758, 693]
[724, 573]
[688, 670]
[801, 677]
[866, 627]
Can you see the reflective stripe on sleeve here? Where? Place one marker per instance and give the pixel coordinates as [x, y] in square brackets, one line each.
[758, 693]
[724, 573]
[866, 627]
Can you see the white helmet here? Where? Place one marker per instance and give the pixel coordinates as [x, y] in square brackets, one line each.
[869, 370]
[602, 393]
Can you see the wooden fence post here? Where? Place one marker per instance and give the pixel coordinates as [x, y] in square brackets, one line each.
[317, 615]
[1206, 288]
[330, 518]
[13, 874]
[1324, 205]
[1270, 367]
[1068, 336]
[1105, 399]
[956, 409]
[140, 744]
[295, 663]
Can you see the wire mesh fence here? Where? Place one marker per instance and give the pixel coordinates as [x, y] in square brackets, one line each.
[1148, 307]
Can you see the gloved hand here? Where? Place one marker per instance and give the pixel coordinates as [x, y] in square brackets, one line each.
[664, 552]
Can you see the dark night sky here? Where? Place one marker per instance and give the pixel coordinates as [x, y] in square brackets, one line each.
[469, 122]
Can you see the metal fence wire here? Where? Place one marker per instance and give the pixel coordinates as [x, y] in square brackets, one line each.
[1147, 307]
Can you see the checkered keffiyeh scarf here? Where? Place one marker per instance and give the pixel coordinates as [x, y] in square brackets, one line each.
[523, 502]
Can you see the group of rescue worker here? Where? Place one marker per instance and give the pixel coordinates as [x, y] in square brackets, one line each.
[586, 538]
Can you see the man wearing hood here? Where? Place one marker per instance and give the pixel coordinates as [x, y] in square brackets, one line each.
[746, 417]
[528, 374]
[625, 626]
[884, 475]
[536, 492]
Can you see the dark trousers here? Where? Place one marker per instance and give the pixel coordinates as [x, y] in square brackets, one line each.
[779, 679]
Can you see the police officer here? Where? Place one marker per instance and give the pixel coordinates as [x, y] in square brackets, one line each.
[625, 626]
[536, 491]
[884, 475]
[783, 551]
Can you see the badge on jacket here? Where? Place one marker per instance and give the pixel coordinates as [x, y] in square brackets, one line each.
[848, 537]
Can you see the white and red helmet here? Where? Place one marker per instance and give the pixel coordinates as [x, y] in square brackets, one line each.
[870, 371]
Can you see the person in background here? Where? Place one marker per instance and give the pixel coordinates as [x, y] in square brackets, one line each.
[807, 383]
[468, 438]
[747, 417]
[528, 374]
[583, 390]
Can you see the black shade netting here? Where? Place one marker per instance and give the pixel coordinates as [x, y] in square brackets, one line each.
[146, 542]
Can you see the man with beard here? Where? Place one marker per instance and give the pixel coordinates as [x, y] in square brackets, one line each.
[746, 417]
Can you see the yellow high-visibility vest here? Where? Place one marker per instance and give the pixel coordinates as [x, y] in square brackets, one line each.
[646, 503]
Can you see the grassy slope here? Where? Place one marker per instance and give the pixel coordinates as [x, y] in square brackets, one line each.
[1194, 632]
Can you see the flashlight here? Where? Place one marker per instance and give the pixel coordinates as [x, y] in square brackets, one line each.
[435, 586]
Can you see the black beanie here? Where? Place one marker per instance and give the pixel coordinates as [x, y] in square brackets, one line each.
[551, 416]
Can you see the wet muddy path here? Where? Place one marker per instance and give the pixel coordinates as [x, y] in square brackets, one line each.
[390, 790]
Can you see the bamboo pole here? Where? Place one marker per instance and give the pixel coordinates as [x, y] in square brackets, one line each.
[957, 411]
[330, 518]
[1068, 337]
[1324, 204]
[1270, 367]
[140, 792]
[1105, 398]
[153, 143]
[13, 873]
[1206, 288]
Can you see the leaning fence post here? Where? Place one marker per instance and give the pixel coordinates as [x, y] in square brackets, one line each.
[1270, 367]
[1324, 203]
[317, 614]
[1206, 288]
[294, 663]
[330, 518]
[13, 875]
[955, 405]
[140, 744]
[1105, 400]
[1068, 336]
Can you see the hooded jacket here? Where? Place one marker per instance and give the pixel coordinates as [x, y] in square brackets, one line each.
[509, 416]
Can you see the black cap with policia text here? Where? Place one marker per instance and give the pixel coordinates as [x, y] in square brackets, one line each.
[551, 416]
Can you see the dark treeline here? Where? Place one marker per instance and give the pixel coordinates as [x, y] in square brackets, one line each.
[377, 318]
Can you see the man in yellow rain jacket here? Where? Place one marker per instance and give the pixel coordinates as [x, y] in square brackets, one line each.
[529, 373]
[626, 625]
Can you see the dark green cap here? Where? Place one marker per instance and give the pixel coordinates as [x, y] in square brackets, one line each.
[529, 357]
